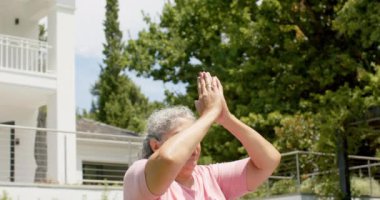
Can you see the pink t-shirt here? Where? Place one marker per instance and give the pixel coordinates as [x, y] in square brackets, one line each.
[214, 182]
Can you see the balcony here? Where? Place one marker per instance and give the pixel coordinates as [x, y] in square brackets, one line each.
[302, 174]
[102, 159]
[25, 78]
[24, 55]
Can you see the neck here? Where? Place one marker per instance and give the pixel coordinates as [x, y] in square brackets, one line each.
[187, 181]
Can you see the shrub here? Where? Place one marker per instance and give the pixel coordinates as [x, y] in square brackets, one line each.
[362, 186]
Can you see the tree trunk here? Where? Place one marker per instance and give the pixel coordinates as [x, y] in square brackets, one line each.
[40, 147]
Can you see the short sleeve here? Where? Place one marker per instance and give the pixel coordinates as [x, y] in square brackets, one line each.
[134, 184]
[231, 177]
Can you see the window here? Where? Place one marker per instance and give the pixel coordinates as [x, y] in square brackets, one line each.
[97, 173]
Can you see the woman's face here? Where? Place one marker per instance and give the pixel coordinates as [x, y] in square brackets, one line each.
[184, 123]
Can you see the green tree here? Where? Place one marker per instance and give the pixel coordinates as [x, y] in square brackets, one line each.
[119, 101]
[281, 62]
[276, 59]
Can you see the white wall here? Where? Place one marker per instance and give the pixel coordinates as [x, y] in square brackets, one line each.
[46, 192]
[25, 164]
[61, 106]
[111, 152]
[61, 98]
[29, 80]
[4, 154]
[26, 27]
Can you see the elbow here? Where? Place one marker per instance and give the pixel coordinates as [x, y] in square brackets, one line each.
[272, 162]
[277, 159]
[167, 158]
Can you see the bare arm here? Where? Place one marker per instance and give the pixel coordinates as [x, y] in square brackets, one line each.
[168, 160]
[264, 157]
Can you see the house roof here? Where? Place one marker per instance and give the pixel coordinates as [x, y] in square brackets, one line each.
[89, 128]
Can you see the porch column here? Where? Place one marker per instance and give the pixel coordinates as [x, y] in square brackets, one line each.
[61, 106]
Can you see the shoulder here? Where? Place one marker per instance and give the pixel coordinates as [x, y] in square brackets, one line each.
[139, 163]
[230, 176]
[134, 182]
[226, 171]
[136, 168]
[202, 169]
[223, 166]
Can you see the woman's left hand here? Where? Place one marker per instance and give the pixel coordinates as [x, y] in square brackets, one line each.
[209, 99]
[225, 114]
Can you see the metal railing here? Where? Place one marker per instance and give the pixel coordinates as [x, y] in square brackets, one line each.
[103, 158]
[24, 158]
[23, 54]
[302, 172]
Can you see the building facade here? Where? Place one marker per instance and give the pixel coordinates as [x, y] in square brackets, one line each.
[35, 73]
[39, 139]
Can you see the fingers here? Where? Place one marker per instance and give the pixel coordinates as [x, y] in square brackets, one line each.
[206, 83]
[219, 85]
[203, 83]
[197, 106]
[210, 95]
[208, 80]
[214, 83]
[199, 85]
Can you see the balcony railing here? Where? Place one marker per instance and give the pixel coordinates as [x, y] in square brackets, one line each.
[24, 151]
[103, 157]
[302, 172]
[23, 54]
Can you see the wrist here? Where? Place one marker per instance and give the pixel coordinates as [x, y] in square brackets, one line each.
[227, 119]
[210, 114]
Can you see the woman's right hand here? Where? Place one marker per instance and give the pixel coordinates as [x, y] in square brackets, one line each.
[209, 95]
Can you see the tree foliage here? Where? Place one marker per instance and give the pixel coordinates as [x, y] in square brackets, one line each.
[119, 101]
[281, 63]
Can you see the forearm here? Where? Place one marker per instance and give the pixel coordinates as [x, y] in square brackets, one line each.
[166, 162]
[261, 152]
[179, 147]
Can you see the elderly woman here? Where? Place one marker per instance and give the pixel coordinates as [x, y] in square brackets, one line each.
[172, 148]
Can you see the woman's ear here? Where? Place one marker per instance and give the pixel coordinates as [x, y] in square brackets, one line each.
[154, 144]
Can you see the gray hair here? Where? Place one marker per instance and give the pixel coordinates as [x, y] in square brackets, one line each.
[162, 121]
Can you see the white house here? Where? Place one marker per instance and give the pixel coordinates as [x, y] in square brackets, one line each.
[104, 152]
[47, 150]
[34, 74]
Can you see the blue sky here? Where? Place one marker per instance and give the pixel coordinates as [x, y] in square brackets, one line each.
[90, 37]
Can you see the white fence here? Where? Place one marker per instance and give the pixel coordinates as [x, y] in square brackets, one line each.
[102, 158]
[22, 54]
[302, 172]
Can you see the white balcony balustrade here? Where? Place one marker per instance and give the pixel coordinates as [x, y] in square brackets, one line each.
[304, 172]
[23, 55]
[102, 158]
